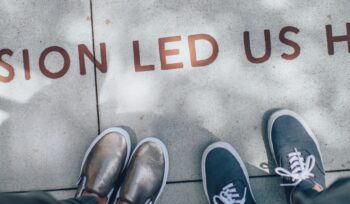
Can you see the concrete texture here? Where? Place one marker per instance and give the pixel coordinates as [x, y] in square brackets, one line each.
[47, 124]
[189, 108]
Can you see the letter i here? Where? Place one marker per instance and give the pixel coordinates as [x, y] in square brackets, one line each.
[26, 64]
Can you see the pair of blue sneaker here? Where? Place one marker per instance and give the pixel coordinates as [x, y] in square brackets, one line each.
[296, 153]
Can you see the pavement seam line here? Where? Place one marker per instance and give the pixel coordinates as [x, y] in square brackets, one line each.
[95, 71]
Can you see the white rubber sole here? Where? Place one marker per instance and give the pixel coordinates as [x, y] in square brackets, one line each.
[229, 148]
[284, 112]
[119, 130]
[166, 160]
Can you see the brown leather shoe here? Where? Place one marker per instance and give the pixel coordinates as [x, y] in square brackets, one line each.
[104, 162]
[146, 174]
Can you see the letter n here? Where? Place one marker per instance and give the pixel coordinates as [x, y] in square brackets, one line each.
[84, 51]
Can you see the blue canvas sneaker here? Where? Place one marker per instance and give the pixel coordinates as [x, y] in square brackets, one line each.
[297, 154]
[225, 177]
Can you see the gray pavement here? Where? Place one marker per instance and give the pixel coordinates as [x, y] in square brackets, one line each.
[266, 190]
[47, 124]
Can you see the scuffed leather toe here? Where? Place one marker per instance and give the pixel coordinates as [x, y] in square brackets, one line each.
[104, 163]
[147, 173]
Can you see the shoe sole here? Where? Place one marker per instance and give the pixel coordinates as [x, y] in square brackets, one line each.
[286, 112]
[229, 148]
[119, 130]
[166, 158]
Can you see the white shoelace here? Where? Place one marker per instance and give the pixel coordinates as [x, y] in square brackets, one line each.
[300, 170]
[229, 195]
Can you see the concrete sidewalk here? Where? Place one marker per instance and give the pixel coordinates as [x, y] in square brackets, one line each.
[47, 124]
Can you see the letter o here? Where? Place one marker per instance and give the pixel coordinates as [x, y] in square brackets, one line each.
[66, 64]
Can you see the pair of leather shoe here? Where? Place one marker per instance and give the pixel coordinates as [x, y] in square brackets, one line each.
[109, 170]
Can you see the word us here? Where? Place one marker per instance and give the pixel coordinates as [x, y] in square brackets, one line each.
[84, 52]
